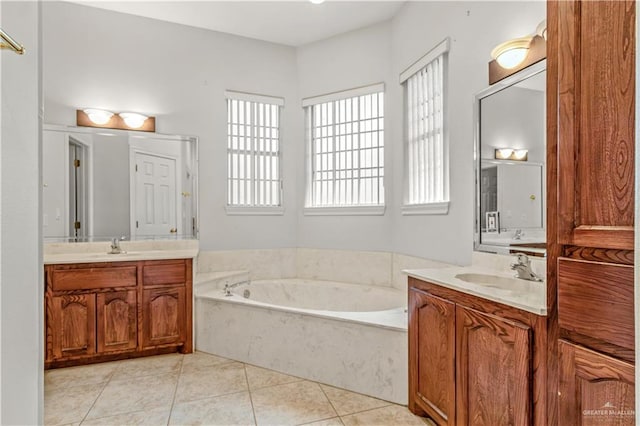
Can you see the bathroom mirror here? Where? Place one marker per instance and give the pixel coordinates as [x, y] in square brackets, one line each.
[100, 184]
[509, 155]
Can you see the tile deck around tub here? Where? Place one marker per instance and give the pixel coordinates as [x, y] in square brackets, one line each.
[203, 389]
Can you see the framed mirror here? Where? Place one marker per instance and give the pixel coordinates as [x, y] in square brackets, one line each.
[509, 156]
[99, 184]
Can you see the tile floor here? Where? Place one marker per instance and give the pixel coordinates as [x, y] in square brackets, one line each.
[202, 389]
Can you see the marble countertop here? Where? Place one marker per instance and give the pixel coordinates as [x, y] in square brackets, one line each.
[530, 296]
[128, 256]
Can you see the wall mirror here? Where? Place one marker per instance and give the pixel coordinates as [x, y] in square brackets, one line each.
[101, 184]
[510, 154]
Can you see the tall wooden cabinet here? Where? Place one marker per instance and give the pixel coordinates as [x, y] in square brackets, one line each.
[590, 163]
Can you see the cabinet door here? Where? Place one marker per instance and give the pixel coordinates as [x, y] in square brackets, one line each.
[117, 328]
[595, 389]
[432, 357]
[596, 69]
[493, 366]
[73, 325]
[164, 316]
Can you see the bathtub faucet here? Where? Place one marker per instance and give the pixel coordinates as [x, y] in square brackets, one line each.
[228, 287]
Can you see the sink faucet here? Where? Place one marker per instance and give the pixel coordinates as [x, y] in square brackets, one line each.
[523, 268]
[518, 234]
[115, 246]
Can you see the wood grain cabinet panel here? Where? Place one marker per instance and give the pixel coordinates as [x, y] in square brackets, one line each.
[116, 322]
[596, 110]
[594, 389]
[432, 357]
[164, 314]
[164, 274]
[494, 359]
[595, 299]
[89, 278]
[73, 325]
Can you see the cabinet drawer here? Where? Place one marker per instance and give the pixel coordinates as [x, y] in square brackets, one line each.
[164, 274]
[93, 278]
[595, 299]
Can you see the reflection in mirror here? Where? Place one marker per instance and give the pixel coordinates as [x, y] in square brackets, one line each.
[99, 185]
[510, 194]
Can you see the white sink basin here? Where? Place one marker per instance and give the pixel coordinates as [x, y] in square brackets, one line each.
[486, 280]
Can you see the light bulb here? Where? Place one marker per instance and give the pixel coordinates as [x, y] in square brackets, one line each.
[511, 53]
[520, 154]
[98, 116]
[133, 120]
[503, 153]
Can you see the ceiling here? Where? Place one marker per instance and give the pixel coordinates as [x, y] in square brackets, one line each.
[292, 23]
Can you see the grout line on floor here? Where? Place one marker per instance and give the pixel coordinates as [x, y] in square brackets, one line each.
[253, 410]
[98, 397]
[175, 390]
[328, 399]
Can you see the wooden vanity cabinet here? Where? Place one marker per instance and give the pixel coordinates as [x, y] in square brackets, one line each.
[472, 361]
[111, 310]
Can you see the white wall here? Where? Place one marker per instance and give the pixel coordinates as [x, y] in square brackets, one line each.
[474, 28]
[178, 74]
[21, 276]
[379, 53]
[355, 59]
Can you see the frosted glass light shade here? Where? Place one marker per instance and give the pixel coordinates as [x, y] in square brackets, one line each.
[133, 119]
[98, 116]
[511, 53]
[511, 154]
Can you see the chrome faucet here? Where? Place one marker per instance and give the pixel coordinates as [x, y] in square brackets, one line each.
[523, 268]
[517, 235]
[115, 246]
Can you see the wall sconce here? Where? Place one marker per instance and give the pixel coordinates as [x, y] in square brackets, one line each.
[511, 154]
[513, 55]
[92, 117]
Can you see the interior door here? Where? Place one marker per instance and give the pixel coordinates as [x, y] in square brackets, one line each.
[155, 195]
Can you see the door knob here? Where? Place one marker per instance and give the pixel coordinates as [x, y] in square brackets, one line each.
[173, 230]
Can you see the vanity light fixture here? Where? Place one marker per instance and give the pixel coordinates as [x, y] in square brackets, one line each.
[92, 117]
[98, 116]
[317, 1]
[511, 53]
[133, 119]
[511, 154]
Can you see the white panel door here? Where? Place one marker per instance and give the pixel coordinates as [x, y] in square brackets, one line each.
[155, 199]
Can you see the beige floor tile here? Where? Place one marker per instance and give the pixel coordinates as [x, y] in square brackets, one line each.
[393, 415]
[261, 377]
[200, 360]
[346, 402]
[69, 405]
[148, 366]
[329, 422]
[76, 376]
[234, 409]
[214, 381]
[155, 417]
[292, 403]
[135, 394]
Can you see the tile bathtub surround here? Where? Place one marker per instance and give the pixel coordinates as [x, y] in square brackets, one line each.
[261, 264]
[204, 389]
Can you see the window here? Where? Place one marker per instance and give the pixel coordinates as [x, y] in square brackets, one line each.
[427, 179]
[253, 154]
[345, 133]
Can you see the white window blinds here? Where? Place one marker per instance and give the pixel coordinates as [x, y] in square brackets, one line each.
[253, 150]
[346, 147]
[426, 150]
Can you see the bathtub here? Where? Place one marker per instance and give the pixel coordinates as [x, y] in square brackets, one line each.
[345, 335]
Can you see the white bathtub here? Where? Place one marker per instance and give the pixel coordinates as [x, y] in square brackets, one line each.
[346, 335]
